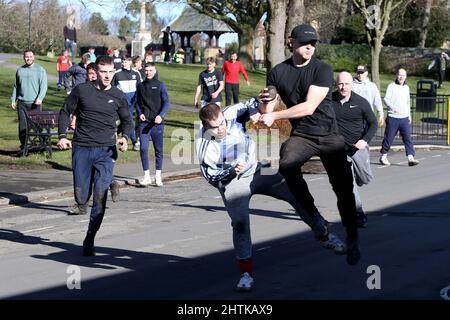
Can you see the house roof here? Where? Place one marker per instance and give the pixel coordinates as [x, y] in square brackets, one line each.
[190, 20]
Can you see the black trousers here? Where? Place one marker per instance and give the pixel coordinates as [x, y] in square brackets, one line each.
[231, 90]
[441, 76]
[297, 150]
[22, 107]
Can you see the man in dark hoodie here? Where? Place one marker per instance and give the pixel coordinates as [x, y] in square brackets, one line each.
[152, 106]
[77, 72]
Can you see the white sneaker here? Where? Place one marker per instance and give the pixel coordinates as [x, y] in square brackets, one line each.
[146, 181]
[245, 282]
[384, 161]
[136, 146]
[158, 181]
[334, 243]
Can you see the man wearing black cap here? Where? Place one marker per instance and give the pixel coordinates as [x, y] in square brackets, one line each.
[369, 91]
[304, 84]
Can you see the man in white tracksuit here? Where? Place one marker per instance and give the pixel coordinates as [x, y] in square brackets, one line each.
[228, 162]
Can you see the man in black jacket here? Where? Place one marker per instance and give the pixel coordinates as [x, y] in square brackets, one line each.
[358, 125]
[152, 106]
[97, 105]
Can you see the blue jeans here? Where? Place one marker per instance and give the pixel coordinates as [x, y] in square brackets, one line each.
[154, 132]
[131, 99]
[72, 47]
[93, 172]
[61, 77]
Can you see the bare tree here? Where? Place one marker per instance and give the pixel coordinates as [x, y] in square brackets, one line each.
[241, 15]
[295, 16]
[425, 22]
[276, 16]
[377, 16]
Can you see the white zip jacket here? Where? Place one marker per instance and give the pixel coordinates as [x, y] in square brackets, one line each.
[218, 158]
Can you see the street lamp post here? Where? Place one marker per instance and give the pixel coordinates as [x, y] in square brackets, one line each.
[29, 23]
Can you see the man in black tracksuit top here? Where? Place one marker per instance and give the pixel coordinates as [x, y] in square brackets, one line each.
[152, 106]
[98, 105]
[126, 80]
[304, 84]
[358, 125]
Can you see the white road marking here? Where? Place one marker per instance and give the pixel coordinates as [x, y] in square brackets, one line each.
[141, 211]
[84, 220]
[315, 179]
[189, 202]
[436, 156]
[212, 222]
[39, 229]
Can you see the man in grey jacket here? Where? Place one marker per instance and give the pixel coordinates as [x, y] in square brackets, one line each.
[369, 91]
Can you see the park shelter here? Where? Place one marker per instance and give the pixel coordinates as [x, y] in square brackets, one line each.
[191, 22]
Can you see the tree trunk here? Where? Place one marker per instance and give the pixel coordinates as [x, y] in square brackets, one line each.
[425, 22]
[376, 50]
[275, 34]
[295, 16]
[246, 39]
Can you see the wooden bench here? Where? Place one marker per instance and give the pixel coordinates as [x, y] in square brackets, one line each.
[41, 127]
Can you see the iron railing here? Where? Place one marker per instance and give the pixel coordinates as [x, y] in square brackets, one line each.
[429, 121]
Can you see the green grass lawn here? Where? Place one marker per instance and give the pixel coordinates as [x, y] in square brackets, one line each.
[181, 81]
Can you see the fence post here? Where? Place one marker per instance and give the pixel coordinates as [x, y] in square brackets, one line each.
[448, 121]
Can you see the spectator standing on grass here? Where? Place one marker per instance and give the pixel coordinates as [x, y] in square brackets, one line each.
[77, 73]
[210, 85]
[30, 87]
[63, 64]
[231, 69]
[127, 80]
[440, 63]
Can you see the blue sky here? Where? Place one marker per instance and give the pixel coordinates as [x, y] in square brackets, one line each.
[169, 9]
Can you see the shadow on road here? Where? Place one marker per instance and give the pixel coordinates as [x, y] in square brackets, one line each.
[411, 251]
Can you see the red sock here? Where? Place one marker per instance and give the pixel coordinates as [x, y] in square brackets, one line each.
[246, 265]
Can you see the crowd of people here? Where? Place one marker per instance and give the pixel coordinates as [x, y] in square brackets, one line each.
[115, 98]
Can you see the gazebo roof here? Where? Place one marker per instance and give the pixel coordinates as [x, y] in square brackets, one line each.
[190, 20]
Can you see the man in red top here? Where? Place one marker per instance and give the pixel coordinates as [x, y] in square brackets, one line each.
[231, 69]
[62, 65]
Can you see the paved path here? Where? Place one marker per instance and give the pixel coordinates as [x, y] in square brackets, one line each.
[174, 242]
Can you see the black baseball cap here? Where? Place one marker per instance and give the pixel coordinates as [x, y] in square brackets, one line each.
[304, 33]
[361, 69]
